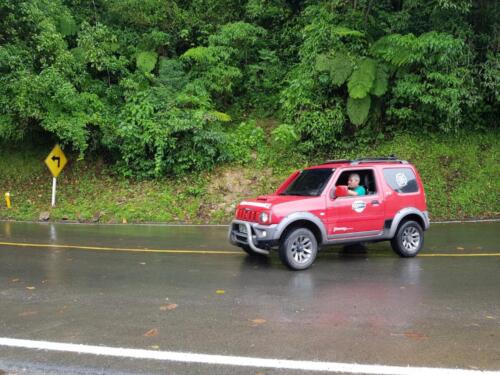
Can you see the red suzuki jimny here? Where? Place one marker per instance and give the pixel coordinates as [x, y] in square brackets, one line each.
[313, 208]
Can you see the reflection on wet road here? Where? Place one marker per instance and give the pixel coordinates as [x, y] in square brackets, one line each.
[353, 305]
[455, 238]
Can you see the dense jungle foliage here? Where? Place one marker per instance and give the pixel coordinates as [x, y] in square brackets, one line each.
[169, 86]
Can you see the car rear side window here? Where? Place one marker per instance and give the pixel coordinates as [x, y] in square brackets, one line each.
[401, 180]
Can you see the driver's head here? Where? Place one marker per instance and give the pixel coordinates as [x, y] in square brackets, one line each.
[353, 181]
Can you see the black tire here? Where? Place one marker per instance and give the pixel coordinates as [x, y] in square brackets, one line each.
[409, 239]
[298, 249]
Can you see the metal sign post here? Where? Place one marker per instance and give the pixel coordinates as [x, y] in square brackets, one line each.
[54, 183]
[55, 161]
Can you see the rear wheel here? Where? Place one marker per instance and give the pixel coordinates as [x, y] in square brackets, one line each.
[298, 249]
[409, 239]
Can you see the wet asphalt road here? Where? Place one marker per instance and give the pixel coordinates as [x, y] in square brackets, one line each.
[441, 309]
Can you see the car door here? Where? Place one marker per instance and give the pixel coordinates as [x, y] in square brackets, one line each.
[354, 216]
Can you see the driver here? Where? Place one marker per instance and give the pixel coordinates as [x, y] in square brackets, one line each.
[353, 185]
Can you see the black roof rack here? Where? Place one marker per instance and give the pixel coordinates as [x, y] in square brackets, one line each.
[380, 158]
[383, 159]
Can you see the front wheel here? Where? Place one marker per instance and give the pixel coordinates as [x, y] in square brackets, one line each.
[409, 239]
[298, 249]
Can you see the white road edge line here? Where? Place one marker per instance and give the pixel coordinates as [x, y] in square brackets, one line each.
[210, 359]
[465, 221]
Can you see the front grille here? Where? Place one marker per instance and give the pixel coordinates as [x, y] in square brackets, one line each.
[247, 214]
[241, 238]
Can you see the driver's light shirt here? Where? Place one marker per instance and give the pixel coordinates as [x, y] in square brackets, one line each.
[360, 190]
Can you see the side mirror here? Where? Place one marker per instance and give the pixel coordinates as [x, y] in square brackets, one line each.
[339, 191]
[332, 194]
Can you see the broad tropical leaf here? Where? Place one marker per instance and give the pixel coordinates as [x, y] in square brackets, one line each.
[323, 63]
[146, 61]
[362, 78]
[358, 109]
[341, 69]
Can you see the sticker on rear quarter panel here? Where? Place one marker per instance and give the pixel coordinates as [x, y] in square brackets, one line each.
[358, 206]
[401, 179]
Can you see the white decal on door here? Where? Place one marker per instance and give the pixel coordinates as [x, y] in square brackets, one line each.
[336, 229]
[359, 206]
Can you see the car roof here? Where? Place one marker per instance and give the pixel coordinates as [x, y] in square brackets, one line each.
[362, 162]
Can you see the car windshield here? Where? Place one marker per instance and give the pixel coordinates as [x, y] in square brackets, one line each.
[310, 183]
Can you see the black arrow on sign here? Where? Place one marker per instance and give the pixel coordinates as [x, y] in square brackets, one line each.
[54, 158]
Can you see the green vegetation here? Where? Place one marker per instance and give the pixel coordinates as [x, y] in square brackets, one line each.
[171, 95]
[458, 172]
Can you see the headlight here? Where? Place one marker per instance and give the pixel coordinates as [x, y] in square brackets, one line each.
[264, 217]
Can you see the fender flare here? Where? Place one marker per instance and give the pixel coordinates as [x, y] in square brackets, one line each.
[400, 215]
[298, 216]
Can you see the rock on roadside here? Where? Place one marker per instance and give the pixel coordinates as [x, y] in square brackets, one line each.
[97, 216]
[44, 216]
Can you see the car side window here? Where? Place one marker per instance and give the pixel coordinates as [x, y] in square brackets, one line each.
[366, 176]
[401, 180]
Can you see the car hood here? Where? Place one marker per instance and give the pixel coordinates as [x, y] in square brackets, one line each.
[268, 201]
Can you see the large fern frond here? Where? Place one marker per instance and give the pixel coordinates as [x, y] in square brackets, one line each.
[220, 116]
[200, 55]
[396, 49]
[345, 31]
[381, 81]
[358, 109]
[340, 68]
[361, 80]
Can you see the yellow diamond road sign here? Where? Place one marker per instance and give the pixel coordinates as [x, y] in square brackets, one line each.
[56, 161]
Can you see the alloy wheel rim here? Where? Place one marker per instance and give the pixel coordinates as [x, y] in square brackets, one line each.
[302, 249]
[411, 238]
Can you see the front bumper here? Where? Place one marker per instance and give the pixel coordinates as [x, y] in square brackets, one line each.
[259, 237]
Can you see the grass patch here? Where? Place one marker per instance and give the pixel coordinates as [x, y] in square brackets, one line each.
[459, 174]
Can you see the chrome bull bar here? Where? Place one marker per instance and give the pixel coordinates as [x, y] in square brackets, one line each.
[233, 237]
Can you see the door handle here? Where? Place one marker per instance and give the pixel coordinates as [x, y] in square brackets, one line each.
[375, 202]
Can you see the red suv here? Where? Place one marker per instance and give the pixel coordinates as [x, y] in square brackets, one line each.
[313, 209]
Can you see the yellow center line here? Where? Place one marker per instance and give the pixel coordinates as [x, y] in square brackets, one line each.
[102, 248]
[207, 252]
